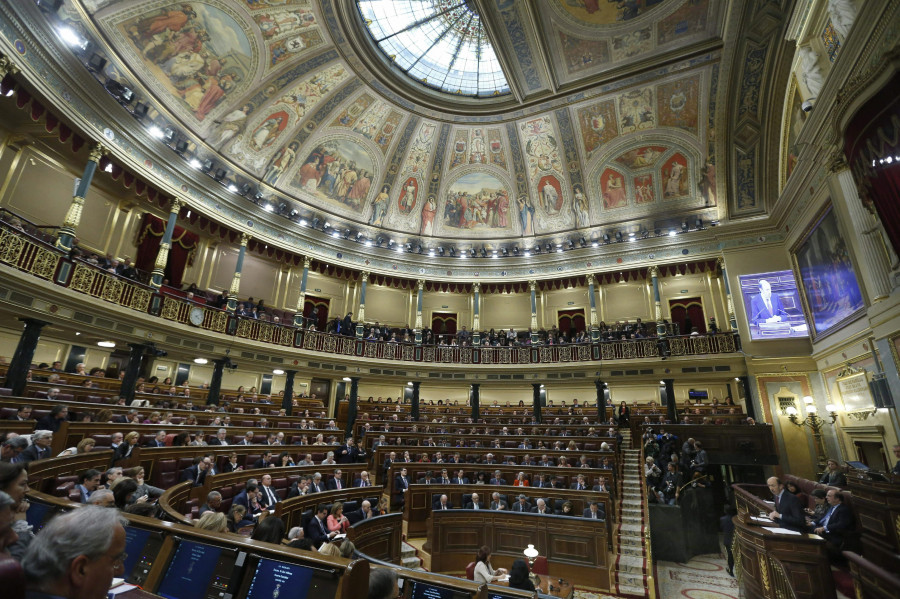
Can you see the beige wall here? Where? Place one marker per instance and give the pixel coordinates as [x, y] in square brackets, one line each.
[505, 310]
[387, 305]
[625, 301]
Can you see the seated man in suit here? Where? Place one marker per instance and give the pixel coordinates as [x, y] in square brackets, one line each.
[363, 513]
[443, 503]
[219, 439]
[213, 503]
[595, 511]
[497, 503]
[460, 478]
[521, 504]
[498, 479]
[428, 479]
[475, 504]
[197, 472]
[265, 461]
[835, 524]
[337, 482]
[788, 512]
[349, 453]
[39, 448]
[580, 484]
[317, 486]
[158, 441]
[316, 529]
[603, 486]
[88, 482]
[766, 307]
[445, 477]
[363, 480]
[541, 508]
[268, 497]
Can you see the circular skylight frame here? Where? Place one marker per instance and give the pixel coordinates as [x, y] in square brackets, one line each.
[439, 44]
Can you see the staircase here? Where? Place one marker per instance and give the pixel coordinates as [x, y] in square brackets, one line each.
[409, 557]
[631, 568]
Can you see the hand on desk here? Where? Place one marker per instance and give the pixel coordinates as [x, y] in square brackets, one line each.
[820, 530]
[774, 515]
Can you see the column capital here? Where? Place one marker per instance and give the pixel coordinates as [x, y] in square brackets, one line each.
[363, 276]
[245, 239]
[720, 262]
[476, 287]
[654, 272]
[98, 151]
[306, 262]
[176, 205]
[532, 285]
[591, 280]
[837, 161]
[420, 284]
[7, 67]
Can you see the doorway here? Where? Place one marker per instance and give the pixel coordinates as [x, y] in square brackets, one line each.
[687, 313]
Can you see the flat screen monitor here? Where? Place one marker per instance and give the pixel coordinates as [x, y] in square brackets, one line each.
[496, 595]
[772, 305]
[142, 547]
[698, 394]
[272, 578]
[424, 590]
[198, 571]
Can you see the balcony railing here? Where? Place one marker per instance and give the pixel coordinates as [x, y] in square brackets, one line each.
[26, 253]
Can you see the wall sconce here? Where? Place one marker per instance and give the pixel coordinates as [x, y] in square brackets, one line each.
[815, 423]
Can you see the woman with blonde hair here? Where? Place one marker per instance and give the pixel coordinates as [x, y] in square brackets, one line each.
[123, 451]
[383, 507]
[214, 521]
[84, 446]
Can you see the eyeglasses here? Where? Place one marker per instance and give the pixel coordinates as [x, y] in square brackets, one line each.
[119, 561]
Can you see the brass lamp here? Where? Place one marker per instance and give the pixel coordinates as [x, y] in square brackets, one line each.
[531, 553]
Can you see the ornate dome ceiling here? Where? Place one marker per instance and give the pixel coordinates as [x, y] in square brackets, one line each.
[605, 118]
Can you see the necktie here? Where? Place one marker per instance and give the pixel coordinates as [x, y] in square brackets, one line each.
[777, 501]
[338, 483]
[443, 506]
[769, 305]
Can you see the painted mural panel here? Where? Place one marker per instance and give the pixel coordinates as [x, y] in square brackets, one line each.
[689, 19]
[582, 54]
[581, 207]
[794, 119]
[199, 53]
[631, 44]
[379, 123]
[604, 12]
[338, 170]
[550, 196]
[541, 145]
[641, 157]
[612, 185]
[677, 103]
[349, 115]
[675, 177]
[644, 192]
[477, 201]
[598, 125]
[637, 110]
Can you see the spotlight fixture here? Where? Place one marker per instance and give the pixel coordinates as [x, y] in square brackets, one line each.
[618, 236]
[559, 248]
[645, 233]
[108, 344]
[431, 252]
[505, 252]
[684, 226]
[583, 241]
[657, 232]
[473, 252]
[233, 188]
[244, 189]
[390, 243]
[527, 253]
[315, 223]
[483, 252]
[358, 234]
[181, 146]
[96, 63]
[572, 243]
[283, 208]
[206, 166]
[672, 233]
[140, 111]
[452, 252]
[548, 246]
[418, 248]
[698, 223]
[195, 163]
[379, 240]
[441, 250]
[594, 243]
[220, 174]
[606, 238]
[347, 233]
[257, 196]
[200, 361]
[168, 135]
[302, 222]
[278, 372]
[515, 250]
[126, 96]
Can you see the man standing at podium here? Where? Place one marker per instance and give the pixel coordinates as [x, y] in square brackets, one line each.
[788, 512]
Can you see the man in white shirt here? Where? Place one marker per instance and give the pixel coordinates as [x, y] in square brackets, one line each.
[540, 508]
[475, 504]
[268, 496]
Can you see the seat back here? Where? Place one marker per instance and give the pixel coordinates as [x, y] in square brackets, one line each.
[12, 578]
[470, 571]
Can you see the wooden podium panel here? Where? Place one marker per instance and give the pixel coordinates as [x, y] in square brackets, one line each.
[379, 537]
[877, 504]
[773, 566]
[575, 548]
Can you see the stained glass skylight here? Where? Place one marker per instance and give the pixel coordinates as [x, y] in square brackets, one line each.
[439, 43]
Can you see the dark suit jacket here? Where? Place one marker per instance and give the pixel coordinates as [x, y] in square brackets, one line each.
[437, 505]
[217, 441]
[399, 485]
[547, 511]
[242, 499]
[262, 463]
[601, 515]
[316, 531]
[840, 523]
[471, 506]
[332, 484]
[585, 486]
[495, 505]
[759, 312]
[791, 512]
[314, 488]
[352, 455]
[48, 423]
[359, 482]
[229, 467]
[31, 453]
[154, 443]
[190, 473]
[264, 496]
[495, 481]
[455, 480]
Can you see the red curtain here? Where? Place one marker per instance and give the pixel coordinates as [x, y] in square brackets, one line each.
[872, 146]
[181, 254]
[570, 320]
[322, 315]
[689, 308]
[443, 323]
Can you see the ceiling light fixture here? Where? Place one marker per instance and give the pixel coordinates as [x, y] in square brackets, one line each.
[106, 343]
[278, 371]
[201, 361]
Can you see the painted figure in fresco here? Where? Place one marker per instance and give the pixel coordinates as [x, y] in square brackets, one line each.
[280, 162]
[580, 206]
[379, 207]
[310, 174]
[526, 215]
[502, 209]
[360, 190]
[266, 133]
[673, 182]
[231, 125]
[707, 182]
[408, 196]
[614, 196]
[549, 198]
[428, 212]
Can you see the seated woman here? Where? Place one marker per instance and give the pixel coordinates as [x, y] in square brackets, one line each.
[337, 521]
[484, 573]
[519, 576]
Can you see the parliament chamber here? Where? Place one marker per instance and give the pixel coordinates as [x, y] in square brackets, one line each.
[457, 299]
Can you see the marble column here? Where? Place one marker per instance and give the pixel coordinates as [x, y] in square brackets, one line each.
[287, 400]
[657, 303]
[671, 411]
[301, 299]
[361, 317]
[215, 383]
[65, 236]
[532, 285]
[351, 405]
[601, 401]
[476, 317]
[420, 291]
[17, 373]
[475, 400]
[732, 320]
[132, 370]
[536, 401]
[236, 280]
[592, 300]
[414, 405]
[873, 262]
[162, 256]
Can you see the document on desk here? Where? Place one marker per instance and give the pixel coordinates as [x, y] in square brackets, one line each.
[785, 531]
[769, 502]
[121, 588]
[761, 520]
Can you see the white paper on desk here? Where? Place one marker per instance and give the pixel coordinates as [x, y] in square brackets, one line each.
[769, 502]
[504, 579]
[758, 519]
[122, 588]
[785, 531]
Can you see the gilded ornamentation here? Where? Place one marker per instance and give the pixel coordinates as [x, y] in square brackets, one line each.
[44, 263]
[176, 205]
[677, 346]
[897, 526]
[140, 300]
[428, 354]
[630, 350]
[265, 333]
[98, 151]
[607, 351]
[170, 309]
[546, 354]
[243, 328]
[245, 239]
[306, 262]
[112, 289]
[408, 353]
[83, 279]
[285, 336]
[524, 358]
[7, 66]
[349, 347]
[11, 246]
[235, 284]
[162, 257]
[650, 350]
[371, 348]
[219, 322]
[701, 345]
[446, 354]
[73, 215]
[328, 343]
[763, 571]
[390, 351]
[309, 340]
[465, 355]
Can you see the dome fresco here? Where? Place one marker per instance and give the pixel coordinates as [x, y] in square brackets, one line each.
[284, 96]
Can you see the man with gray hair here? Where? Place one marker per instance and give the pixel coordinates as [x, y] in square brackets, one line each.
[76, 555]
[8, 536]
[213, 502]
[12, 447]
[220, 438]
[112, 474]
[103, 498]
[383, 584]
[39, 448]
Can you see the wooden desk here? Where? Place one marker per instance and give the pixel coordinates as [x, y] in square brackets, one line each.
[379, 537]
[729, 444]
[575, 548]
[772, 566]
[554, 587]
[877, 505]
